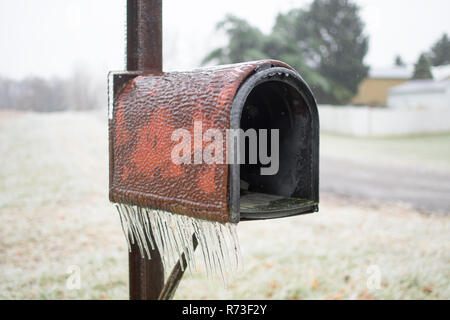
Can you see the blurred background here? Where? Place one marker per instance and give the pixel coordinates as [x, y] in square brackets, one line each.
[380, 71]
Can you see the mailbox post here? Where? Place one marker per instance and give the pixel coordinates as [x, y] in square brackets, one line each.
[144, 54]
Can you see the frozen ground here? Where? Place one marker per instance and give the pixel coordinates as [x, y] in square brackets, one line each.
[55, 215]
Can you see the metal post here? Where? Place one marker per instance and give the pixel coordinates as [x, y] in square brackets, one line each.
[144, 53]
[144, 35]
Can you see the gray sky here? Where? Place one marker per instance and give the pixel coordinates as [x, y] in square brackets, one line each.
[52, 37]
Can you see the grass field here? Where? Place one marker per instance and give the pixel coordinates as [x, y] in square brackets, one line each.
[55, 214]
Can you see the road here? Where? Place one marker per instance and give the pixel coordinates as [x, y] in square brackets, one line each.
[425, 191]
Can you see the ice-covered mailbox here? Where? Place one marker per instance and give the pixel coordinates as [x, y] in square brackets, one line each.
[197, 152]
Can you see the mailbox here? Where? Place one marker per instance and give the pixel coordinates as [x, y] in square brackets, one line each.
[191, 154]
[156, 116]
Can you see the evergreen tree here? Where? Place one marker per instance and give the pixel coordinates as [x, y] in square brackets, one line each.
[245, 42]
[338, 46]
[440, 53]
[422, 69]
[399, 61]
[324, 42]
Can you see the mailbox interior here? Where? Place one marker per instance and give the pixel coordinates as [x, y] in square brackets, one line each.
[276, 98]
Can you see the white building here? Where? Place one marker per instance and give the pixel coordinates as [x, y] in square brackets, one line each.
[441, 73]
[420, 94]
[423, 94]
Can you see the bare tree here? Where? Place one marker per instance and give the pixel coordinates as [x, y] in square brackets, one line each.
[79, 92]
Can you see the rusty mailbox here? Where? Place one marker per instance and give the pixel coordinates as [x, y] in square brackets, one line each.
[161, 125]
[193, 153]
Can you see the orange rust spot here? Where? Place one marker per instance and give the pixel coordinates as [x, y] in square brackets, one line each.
[226, 95]
[125, 173]
[152, 92]
[154, 146]
[206, 181]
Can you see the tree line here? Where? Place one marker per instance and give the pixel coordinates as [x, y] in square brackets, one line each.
[78, 92]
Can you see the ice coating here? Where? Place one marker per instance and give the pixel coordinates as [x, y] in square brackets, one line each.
[172, 236]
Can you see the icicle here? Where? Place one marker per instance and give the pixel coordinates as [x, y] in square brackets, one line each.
[172, 235]
[123, 228]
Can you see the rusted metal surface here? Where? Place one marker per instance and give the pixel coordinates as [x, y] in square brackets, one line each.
[146, 277]
[145, 115]
[144, 35]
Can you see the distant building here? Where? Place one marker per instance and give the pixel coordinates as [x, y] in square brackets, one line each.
[421, 94]
[441, 73]
[373, 90]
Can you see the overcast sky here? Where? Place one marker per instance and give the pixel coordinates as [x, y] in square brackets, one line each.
[52, 37]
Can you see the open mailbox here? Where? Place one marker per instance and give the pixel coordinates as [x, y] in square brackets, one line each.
[147, 108]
